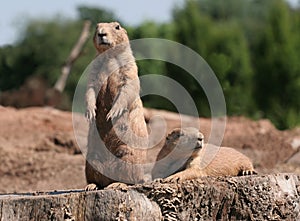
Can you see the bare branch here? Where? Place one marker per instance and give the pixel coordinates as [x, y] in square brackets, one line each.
[74, 55]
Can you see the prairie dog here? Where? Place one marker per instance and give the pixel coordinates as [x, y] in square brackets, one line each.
[200, 159]
[114, 106]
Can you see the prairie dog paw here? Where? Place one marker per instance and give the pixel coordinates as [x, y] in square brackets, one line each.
[173, 178]
[248, 172]
[90, 114]
[91, 187]
[115, 112]
[117, 186]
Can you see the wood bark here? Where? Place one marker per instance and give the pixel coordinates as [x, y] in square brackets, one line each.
[266, 197]
[78, 205]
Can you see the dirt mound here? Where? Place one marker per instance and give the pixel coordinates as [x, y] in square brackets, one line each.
[39, 150]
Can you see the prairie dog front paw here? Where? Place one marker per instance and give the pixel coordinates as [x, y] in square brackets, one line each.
[91, 187]
[90, 113]
[115, 112]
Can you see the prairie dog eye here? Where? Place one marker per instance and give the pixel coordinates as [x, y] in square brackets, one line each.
[118, 27]
[177, 136]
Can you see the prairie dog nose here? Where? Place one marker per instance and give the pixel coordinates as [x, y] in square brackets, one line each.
[101, 35]
[200, 136]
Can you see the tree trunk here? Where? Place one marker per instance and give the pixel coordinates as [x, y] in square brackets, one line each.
[79, 205]
[270, 197]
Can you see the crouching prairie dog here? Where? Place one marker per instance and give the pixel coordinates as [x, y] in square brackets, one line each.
[114, 104]
[186, 146]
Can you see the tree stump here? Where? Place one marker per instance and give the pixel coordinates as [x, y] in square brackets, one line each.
[265, 197]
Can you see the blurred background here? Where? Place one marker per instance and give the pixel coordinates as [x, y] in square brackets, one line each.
[253, 46]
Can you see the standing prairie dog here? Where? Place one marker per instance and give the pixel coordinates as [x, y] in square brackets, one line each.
[115, 108]
[200, 159]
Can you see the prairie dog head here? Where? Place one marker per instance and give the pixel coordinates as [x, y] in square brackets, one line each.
[185, 139]
[108, 35]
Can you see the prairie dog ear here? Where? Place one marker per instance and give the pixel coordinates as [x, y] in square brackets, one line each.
[169, 135]
[123, 29]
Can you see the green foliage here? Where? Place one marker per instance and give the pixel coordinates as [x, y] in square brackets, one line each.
[41, 52]
[223, 45]
[253, 48]
[277, 69]
[230, 60]
[149, 29]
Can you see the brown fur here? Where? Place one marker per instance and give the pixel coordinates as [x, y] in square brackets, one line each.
[117, 108]
[209, 160]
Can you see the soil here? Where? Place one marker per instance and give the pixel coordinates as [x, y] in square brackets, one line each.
[39, 151]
